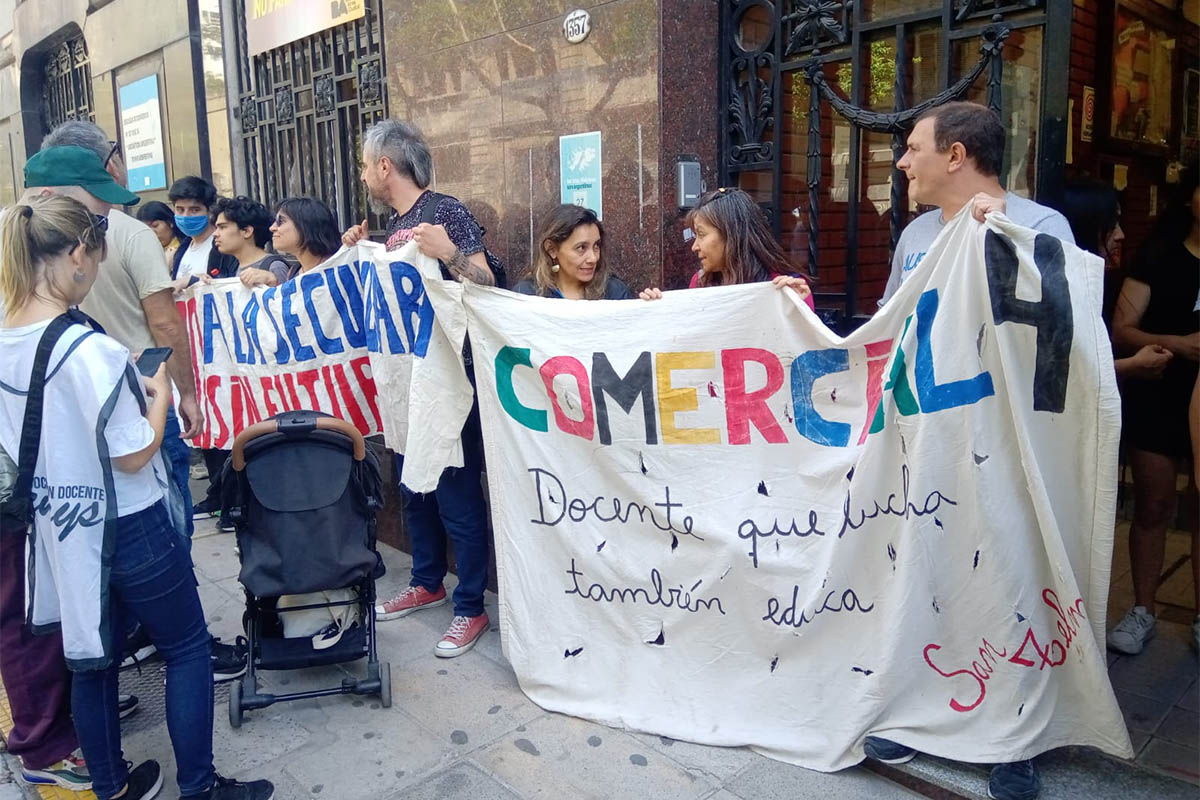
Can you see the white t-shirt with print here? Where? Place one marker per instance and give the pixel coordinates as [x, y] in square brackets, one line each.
[195, 258]
[919, 234]
[92, 413]
[77, 387]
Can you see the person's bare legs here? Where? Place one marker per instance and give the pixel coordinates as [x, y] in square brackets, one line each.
[1154, 504]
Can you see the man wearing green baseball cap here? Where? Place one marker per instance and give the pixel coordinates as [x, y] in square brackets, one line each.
[70, 166]
[131, 296]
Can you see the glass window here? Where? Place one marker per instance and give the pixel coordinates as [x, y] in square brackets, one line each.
[1141, 86]
[882, 9]
[1020, 100]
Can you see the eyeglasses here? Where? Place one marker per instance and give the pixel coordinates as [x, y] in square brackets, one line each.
[115, 148]
[280, 220]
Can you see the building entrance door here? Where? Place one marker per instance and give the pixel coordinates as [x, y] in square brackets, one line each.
[817, 97]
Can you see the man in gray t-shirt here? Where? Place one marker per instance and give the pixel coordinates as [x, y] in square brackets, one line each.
[954, 155]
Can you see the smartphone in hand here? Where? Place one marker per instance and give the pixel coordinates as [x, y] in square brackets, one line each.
[151, 359]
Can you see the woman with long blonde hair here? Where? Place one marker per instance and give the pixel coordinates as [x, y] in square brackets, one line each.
[105, 549]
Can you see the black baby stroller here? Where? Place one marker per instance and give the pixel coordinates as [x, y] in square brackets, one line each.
[302, 490]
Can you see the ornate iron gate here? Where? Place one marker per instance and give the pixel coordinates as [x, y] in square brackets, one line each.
[303, 108]
[67, 84]
[842, 52]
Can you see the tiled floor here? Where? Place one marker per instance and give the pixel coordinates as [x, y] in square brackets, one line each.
[1157, 690]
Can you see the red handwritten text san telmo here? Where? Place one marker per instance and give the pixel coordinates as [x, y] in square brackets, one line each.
[1030, 653]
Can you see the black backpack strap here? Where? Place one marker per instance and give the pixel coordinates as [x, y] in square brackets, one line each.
[430, 209]
[20, 504]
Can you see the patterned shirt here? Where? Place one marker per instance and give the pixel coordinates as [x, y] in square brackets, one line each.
[460, 225]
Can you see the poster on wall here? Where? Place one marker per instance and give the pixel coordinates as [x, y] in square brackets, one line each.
[142, 134]
[580, 170]
[1141, 84]
[274, 23]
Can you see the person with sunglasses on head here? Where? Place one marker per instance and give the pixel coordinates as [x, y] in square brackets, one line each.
[193, 199]
[31, 666]
[243, 228]
[161, 219]
[134, 303]
[735, 245]
[569, 263]
[119, 555]
[305, 229]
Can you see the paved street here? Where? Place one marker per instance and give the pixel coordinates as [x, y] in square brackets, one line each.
[458, 728]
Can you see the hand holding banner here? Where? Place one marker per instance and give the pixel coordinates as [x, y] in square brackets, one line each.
[719, 522]
[356, 337]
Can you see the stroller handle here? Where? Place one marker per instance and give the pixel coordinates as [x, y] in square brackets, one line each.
[272, 426]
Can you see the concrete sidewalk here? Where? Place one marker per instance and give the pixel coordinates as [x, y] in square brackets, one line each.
[461, 728]
[458, 728]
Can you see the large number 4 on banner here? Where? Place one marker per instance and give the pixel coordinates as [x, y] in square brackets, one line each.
[1051, 315]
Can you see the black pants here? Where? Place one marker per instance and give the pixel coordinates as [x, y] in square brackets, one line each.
[214, 462]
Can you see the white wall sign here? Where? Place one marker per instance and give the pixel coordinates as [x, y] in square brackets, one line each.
[142, 135]
[577, 26]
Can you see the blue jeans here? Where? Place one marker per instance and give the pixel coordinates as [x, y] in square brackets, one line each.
[180, 458]
[151, 580]
[455, 509]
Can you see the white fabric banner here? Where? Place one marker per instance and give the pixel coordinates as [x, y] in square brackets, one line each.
[357, 337]
[719, 522]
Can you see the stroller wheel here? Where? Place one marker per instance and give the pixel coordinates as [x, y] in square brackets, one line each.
[235, 705]
[385, 684]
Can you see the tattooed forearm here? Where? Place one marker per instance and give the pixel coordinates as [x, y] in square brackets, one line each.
[463, 269]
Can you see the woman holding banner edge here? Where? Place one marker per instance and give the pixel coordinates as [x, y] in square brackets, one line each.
[303, 228]
[735, 246]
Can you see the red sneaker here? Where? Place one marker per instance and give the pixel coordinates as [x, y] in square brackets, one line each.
[461, 636]
[414, 598]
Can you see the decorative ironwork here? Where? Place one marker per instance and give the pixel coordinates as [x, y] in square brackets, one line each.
[806, 37]
[813, 170]
[324, 95]
[285, 105]
[973, 8]
[751, 101]
[303, 108]
[67, 84]
[817, 23]
[248, 114]
[898, 121]
[370, 83]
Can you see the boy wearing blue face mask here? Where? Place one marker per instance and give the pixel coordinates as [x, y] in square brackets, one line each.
[192, 199]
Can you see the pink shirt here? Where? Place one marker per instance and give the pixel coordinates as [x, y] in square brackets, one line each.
[696, 278]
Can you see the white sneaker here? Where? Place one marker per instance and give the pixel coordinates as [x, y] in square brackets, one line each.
[1131, 633]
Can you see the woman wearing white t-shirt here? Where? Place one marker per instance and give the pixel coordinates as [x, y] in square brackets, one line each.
[105, 549]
